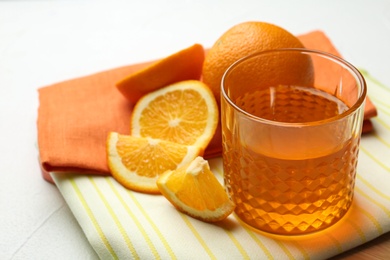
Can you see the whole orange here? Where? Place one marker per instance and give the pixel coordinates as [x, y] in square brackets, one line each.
[239, 41]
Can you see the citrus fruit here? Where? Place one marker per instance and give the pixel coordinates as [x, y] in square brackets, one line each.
[185, 112]
[183, 65]
[137, 162]
[194, 190]
[239, 41]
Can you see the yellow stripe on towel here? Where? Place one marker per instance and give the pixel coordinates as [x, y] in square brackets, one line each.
[153, 225]
[93, 219]
[118, 223]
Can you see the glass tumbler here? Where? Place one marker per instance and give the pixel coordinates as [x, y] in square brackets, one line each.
[291, 126]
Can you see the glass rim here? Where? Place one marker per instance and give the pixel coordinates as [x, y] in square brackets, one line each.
[351, 68]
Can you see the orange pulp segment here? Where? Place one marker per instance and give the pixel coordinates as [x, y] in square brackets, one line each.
[185, 112]
[194, 190]
[137, 162]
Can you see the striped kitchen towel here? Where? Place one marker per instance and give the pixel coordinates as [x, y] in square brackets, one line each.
[122, 224]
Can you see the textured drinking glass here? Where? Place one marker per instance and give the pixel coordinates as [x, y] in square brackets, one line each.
[291, 126]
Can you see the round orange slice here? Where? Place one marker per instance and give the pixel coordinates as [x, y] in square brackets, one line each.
[185, 112]
[194, 190]
[183, 65]
[137, 162]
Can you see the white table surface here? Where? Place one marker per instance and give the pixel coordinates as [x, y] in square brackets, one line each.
[44, 42]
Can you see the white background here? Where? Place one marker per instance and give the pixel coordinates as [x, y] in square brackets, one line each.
[44, 42]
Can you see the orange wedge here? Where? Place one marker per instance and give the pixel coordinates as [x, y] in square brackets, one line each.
[185, 112]
[137, 162]
[194, 190]
[183, 65]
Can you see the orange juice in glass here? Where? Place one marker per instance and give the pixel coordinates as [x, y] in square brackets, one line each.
[291, 126]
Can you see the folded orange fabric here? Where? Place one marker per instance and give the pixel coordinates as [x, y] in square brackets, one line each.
[75, 116]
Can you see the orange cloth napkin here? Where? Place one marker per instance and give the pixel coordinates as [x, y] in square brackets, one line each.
[75, 116]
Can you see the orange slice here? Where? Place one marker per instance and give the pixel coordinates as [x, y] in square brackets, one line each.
[183, 65]
[185, 112]
[194, 190]
[137, 162]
